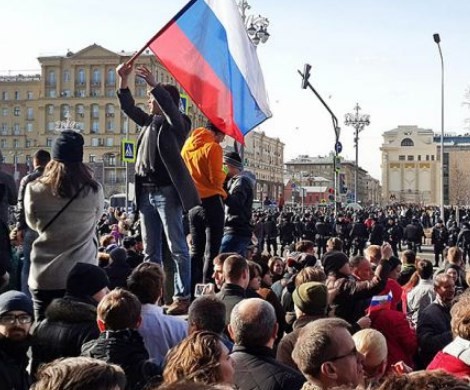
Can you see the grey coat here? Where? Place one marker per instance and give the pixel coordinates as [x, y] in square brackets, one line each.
[70, 239]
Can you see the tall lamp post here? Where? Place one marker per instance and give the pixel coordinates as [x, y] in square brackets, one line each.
[358, 122]
[257, 30]
[437, 39]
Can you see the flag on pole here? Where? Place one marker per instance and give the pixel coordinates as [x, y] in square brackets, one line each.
[380, 302]
[207, 50]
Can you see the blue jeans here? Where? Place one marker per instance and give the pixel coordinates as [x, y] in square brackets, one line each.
[161, 212]
[234, 243]
[29, 237]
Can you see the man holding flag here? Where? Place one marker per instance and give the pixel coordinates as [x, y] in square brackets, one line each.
[164, 187]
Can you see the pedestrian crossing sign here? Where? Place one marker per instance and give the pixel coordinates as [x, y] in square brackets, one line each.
[128, 150]
[184, 103]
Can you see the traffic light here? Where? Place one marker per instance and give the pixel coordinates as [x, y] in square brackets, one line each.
[331, 194]
[337, 162]
[342, 184]
[307, 68]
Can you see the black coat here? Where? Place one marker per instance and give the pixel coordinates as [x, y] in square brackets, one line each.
[239, 203]
[230, 295]
[68, 325]
[170, 141]
[257, 369]
[433, 331]
[126, 349]
[13, 364]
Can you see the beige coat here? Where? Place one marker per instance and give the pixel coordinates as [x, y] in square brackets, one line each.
[70, 239]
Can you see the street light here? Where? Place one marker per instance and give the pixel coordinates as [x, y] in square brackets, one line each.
[437, 39]
[358, 122]
[256, 26]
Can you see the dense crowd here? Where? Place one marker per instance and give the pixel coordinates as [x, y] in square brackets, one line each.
[193, 289]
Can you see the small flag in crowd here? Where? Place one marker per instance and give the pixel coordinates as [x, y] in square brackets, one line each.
[207, 49]
[380, 302]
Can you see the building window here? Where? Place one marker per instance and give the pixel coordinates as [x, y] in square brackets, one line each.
[51, 93]
[17, 95]
[96, 76]
[95, 142]
[16, 144]
[91, 158]
[110, 125]
[49, 142]
[432, 157]
[109, 141]
[112, 160]
[65, 110]
[29, 127]
[427, 157]
[4, 111]
[16, 129]
[3, 143]
[81, 77]
[16, 111]
[50, 126]
[28, 143]
[66, 75]
[4, 128]
[29, 113]
[401, 158]
[51, 77]
[29, 95]
[4, 95]
[411, 158]
[419, 157]
[111, 76]
[50, 109]
[95, 127]
[95, 111]
[110, 92]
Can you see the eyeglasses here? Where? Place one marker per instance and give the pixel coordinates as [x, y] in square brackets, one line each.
[353, 352]
[10, 319]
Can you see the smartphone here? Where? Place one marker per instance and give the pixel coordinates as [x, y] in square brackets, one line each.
[204, 289]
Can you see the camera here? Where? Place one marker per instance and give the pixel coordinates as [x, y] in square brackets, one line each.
[203, 289]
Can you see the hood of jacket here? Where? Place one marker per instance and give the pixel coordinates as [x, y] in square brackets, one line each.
[199, 137]
[459, 348]
[70, 311]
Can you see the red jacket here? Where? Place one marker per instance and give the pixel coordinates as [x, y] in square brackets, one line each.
[450, 364]
[402, 342]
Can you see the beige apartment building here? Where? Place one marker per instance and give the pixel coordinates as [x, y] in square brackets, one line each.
[81, 88]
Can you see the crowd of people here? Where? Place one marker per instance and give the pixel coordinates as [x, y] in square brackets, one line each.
[195, 290]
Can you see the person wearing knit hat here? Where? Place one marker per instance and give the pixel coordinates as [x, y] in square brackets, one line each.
[311, 303]
[347, 293]
[71, 321]
[16, 316]
[240, 188]
[63, 206]
[118, 269]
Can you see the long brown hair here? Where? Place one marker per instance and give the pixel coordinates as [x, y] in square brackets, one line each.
[65, 179]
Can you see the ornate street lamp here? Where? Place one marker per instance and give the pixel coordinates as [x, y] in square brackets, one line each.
[358, 122]
[256, 26]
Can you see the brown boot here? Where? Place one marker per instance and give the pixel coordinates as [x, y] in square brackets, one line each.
[178, 307]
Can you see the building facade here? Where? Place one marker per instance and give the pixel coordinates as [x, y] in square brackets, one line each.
[305, 169]
[81, 88]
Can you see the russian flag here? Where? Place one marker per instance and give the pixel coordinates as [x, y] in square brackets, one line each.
[380, 302]
[206, 48]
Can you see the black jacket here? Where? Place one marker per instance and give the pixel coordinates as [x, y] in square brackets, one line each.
[13, 364]
[230, 295]
[69, 324]
[170, 140]
[257, 369]
[19, 212]
[433, 331]
[239, 203]
[126, 349]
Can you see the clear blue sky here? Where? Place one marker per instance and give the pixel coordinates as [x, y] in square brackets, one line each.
[379, 53]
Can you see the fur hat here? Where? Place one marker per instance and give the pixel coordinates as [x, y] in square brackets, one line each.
[311, 298]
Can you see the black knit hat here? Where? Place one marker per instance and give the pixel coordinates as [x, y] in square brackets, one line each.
[15, 301]
[118, 255]
[68, 147]
[334, 261]
[233, 159]
[85, 280]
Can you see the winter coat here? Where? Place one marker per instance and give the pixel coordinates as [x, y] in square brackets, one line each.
[13, 364]
[402, 343]
[70, 239]
[170, 140]
[126, 349]
[376, 234]
[239, 204]
[454, 358]
[407, 272]
[203, 157]
[230, 295]
[8, 195]
[257, 369]
[434, 331]
[69, 324]
[19, 212]
[287, 343]
[347, 292]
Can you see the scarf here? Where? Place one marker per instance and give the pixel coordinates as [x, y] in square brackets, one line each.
[145, 161]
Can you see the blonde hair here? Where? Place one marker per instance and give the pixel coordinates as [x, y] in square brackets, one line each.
[372, 344]
[460, 317]
[373, 251]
